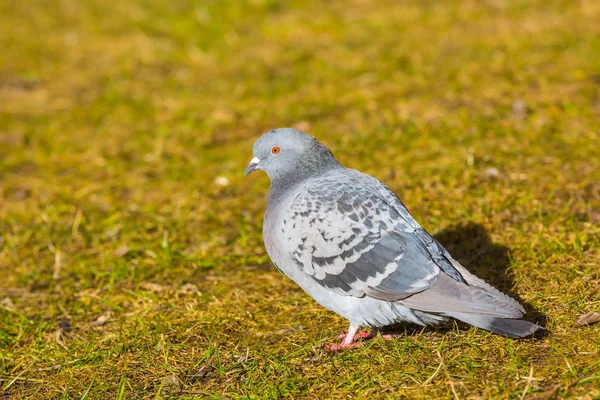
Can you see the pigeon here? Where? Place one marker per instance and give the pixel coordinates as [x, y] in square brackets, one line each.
[351, 244]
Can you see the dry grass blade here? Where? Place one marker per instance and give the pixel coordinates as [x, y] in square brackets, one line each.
[13, 380]
[529, 379]
[448, 376]
[436, 371]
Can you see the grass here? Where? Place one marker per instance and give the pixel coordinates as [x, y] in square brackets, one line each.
[131, 269]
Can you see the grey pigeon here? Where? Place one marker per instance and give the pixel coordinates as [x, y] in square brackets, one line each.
[352, 245]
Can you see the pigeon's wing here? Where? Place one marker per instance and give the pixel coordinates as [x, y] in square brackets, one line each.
[355, 237]
[345, 234]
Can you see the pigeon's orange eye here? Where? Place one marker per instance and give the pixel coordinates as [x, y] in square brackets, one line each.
[275, 149]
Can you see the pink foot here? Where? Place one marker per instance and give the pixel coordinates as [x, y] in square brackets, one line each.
[350, 343]
[348, 339]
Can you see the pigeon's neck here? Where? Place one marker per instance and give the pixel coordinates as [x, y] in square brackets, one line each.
[295, 176]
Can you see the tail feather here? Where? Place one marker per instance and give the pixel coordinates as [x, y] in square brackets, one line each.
[473, 280]
[448, 296]
[512, 328]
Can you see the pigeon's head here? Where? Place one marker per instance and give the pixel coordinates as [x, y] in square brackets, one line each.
[287, 151]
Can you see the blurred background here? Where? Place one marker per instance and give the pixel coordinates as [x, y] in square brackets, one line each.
[126, 227]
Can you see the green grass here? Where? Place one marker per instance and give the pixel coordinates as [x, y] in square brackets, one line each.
[127, 272]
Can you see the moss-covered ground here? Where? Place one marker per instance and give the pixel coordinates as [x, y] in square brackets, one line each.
[131, 259]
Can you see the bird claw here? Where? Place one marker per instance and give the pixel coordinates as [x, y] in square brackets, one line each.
[352, 345]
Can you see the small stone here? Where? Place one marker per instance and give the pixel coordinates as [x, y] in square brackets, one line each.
[189, 288]
[588, 319]
[122, 250]
[492, 172]
[519, 109]
[221, 181]
[101, 320]
[7, 303]
[171, 382]
[151, 286]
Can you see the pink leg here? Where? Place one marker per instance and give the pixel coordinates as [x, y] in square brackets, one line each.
[348, 341]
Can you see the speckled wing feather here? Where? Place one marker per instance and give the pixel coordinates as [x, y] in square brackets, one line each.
[353, 236]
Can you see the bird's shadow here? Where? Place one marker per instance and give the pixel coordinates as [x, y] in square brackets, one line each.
[472, 247]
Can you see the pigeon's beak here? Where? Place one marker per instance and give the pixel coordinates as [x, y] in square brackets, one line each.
[252, 166]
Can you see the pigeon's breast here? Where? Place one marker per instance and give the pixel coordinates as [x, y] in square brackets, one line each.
[278, 249]
[275, 243]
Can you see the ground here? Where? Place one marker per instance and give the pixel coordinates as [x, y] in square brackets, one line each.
[131, 258]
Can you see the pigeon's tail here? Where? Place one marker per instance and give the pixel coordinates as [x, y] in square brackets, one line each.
[512, 328]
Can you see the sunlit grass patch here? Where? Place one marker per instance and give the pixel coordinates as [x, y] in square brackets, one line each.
[131, 261]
